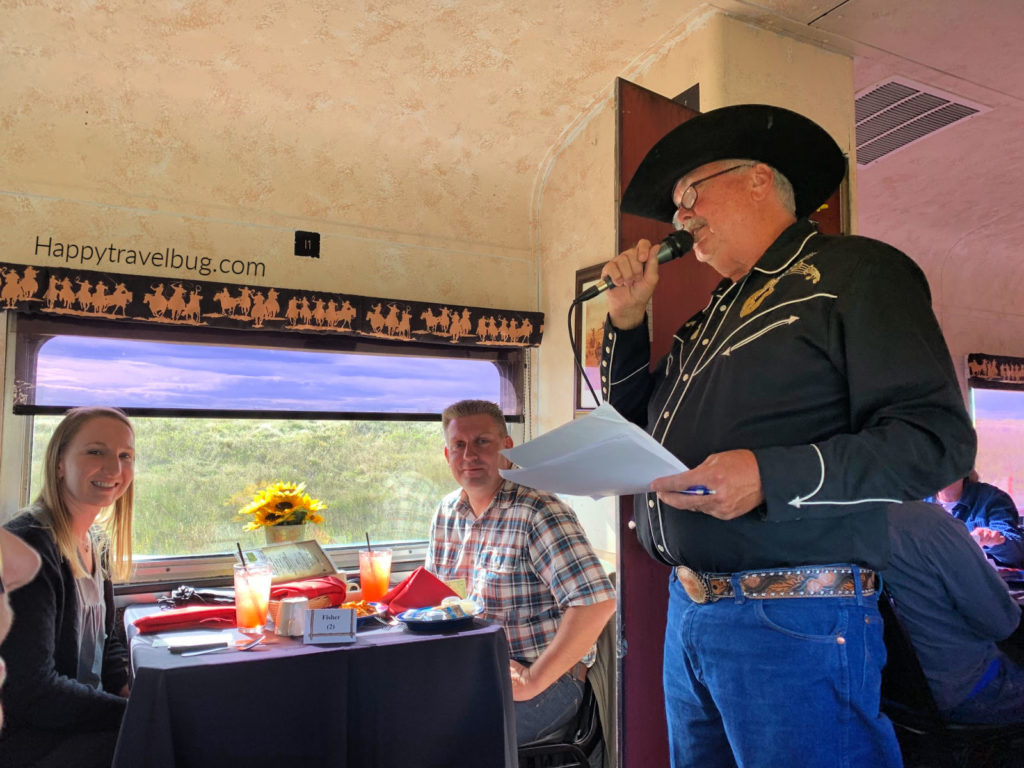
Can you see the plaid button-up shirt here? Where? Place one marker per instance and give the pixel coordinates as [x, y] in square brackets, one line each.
[525, 559]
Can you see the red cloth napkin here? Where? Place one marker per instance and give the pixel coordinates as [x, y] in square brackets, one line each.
[419, 589]
[332, 586]
[189, 617]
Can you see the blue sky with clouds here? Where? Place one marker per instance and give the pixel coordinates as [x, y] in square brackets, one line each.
[997, 404]
[81, 370]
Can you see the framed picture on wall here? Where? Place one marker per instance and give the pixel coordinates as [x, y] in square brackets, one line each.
[588, 330]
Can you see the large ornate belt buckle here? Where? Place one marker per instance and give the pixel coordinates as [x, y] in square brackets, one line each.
[694, 584]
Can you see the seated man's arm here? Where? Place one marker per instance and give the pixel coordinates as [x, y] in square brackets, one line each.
[581, 625]
[998, 529]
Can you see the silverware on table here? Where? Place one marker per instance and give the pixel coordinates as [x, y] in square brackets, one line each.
[387, 622]
[248, 646]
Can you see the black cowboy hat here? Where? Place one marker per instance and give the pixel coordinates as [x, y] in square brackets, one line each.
[798, 148]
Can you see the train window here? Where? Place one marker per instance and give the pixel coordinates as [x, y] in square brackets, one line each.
[220, 415]
[999, 421]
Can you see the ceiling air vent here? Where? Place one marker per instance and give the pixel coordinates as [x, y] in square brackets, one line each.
[897, 113]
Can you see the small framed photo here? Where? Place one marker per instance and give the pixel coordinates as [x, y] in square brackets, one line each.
[588, 327]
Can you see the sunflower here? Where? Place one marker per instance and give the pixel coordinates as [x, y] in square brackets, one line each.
[282, 504]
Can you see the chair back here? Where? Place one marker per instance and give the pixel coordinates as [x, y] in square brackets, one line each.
[904, 683]
[909, 703]
[582, 739]
[604, 678]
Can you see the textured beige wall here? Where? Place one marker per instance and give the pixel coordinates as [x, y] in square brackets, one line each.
[214, 129]
[737, 62]
[355, 260]
[977, 294]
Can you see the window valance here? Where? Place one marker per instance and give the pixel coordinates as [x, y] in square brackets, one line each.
[995, 371]
[171, 301]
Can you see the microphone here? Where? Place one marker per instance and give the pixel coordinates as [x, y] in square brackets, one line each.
[672, 247]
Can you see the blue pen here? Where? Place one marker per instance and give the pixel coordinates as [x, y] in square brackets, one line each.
[698, 490]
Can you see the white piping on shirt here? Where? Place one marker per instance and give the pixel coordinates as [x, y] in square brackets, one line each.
[627, 376]
[801, 501]
[787, 264]
[738, 286]
[726, 351]
[736, 289]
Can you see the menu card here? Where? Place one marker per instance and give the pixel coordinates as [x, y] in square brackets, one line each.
[293, 560]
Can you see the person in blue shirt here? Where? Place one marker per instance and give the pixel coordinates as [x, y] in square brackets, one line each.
[957, 611]
[991, 518]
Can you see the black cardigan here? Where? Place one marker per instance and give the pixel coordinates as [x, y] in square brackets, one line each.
[41, 651]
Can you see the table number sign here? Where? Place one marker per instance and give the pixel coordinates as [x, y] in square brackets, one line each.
[330, 625]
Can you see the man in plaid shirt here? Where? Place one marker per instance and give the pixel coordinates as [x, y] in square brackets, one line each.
[525, 558]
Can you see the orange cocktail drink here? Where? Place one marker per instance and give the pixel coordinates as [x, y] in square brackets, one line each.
[374, 573]
[252, 596]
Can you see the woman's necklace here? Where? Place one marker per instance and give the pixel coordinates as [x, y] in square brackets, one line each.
[85, 550]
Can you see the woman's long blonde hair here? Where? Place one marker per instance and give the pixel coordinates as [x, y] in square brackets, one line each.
[116, 519]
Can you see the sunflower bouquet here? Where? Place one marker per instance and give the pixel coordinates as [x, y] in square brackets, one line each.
[282, 504]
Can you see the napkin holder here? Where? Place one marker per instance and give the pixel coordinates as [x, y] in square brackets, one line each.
[291, 616]
[274, 608]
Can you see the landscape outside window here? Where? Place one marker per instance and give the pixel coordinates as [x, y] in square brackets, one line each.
[999, 422]
[193, 475]
[380, 475]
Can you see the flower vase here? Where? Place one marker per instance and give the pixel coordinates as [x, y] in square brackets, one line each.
[278, 533]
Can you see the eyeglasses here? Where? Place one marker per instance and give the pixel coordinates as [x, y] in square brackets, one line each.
[689, 197]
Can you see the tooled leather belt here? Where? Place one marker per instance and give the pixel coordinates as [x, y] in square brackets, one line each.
[772, 583]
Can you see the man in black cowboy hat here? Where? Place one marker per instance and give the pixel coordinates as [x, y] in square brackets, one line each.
[813, 388]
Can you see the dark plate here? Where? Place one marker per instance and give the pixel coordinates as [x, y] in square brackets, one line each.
[371, 620]
[440, 625]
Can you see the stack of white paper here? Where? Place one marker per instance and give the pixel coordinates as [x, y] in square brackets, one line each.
[598, 455]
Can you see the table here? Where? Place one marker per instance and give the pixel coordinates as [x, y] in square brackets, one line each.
[393, 698]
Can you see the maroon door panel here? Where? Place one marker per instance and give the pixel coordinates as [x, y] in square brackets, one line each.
[644, 117]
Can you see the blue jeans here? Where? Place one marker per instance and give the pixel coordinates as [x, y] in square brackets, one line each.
[550, 711]
[791, 682]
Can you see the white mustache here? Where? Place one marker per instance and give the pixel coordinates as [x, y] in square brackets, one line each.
[692, 225]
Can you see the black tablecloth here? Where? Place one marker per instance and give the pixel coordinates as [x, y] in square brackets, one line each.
[393, 698]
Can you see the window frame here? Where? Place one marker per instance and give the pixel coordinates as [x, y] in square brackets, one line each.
[30, 332]
[34, 331]
[987, 476]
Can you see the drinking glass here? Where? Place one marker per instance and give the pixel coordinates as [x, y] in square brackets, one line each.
[374, 573]
[252, 596]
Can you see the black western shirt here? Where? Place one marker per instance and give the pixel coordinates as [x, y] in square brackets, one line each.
[826, 361]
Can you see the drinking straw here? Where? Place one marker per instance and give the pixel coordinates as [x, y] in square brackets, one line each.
[241, 557]
[368, 541]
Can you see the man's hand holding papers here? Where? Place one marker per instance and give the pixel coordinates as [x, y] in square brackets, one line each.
[732, 481]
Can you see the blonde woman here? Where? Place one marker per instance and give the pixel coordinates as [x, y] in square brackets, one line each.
[68, 677]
